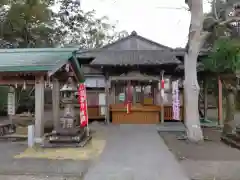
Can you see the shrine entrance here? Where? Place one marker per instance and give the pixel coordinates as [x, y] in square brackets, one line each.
[133, 68]
[134, 99]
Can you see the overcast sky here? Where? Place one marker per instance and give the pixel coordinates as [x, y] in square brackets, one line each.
[160, 20]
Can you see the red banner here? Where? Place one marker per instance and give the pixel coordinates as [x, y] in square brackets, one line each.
[82, 97]
[129, 97]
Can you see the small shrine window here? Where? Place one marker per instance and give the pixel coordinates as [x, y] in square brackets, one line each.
[147, 94]
[138, 94]
[120, 93]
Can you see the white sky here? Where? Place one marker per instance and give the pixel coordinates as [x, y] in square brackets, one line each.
[150, 19]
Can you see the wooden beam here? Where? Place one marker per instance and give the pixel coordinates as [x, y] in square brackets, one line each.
[22, 73]
[20, 82]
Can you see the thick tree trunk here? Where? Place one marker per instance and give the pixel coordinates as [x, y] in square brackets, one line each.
[191, 95]
[229, 122]
[191, 87]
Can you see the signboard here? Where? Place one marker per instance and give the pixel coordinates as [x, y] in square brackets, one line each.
[176, 100]
[121, 97]
[11, 103]
[95, 82]
[83, 105]
[102, 103]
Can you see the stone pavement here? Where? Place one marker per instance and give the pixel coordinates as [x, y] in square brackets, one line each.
[135, 152]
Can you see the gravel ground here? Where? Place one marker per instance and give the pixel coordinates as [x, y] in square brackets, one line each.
[210, 160]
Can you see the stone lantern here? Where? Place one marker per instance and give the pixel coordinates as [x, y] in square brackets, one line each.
[68, 90]
[68, 132]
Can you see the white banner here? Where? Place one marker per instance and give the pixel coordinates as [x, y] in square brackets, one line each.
[175, 100]
[11, 103]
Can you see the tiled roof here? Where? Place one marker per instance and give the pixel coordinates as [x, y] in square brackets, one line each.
[34, 59]
[130, 57]
[200, 67]
[135, 42]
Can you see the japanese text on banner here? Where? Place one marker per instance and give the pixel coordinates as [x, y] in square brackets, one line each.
[83, 105]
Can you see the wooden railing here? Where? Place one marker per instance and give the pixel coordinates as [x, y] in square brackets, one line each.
[168, 113]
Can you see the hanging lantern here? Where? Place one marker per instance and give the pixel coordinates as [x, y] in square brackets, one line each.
[24, 85]
[162, 84]
[162, 87]
[67, 68]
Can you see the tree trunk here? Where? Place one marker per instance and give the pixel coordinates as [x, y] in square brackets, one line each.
[191, 86]
[229, 122]
[191, 94]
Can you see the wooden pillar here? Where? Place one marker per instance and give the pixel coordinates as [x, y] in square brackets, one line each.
[220, 103]
[114, 93]
[107, 86]
[134, 94]
[56, 103]
[39, 109]
[205, 89]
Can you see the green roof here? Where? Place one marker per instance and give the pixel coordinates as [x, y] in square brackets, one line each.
[34, 59]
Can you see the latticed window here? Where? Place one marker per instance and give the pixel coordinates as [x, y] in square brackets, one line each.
[120, 91]
[138, 90]
[92, 98]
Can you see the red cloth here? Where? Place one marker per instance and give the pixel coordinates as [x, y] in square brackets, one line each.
[82, 98]
[162, 84]
[129, 98]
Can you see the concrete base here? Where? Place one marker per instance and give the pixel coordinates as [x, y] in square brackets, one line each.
[38, 140]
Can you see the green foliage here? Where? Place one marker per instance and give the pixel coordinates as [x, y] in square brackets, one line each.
[83, 28]
[224, 57]
[32, 23]
[3, 98]
[24, 22]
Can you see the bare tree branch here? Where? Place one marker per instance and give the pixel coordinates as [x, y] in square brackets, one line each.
[230, 20]
[215, 9]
